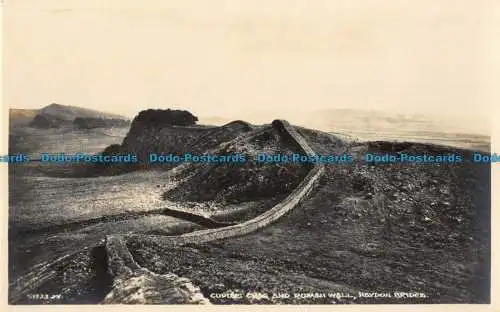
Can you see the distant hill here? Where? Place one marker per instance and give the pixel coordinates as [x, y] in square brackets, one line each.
[69, 113]
[55, 115]
[19, 116]
[373, 121]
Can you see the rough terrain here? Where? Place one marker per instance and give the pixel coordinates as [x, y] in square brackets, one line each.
[356, 227]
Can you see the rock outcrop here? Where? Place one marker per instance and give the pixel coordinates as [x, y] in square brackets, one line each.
[175, 132]
[163, 117]
[135, 285]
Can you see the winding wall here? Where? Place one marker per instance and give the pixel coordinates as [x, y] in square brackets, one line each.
[120, 260]
[262, 220]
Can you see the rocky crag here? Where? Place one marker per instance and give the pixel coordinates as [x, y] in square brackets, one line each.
[167, 132]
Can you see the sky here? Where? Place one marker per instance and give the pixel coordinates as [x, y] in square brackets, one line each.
[233, 58]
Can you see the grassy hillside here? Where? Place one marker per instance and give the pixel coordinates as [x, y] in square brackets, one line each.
[232, 183]
[375, 228]
[67, 112]
[56, 115]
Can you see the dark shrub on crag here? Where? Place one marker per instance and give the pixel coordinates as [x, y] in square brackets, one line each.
[160, 117]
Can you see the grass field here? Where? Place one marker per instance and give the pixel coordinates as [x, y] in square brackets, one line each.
[51, 217]
[44, 201]
[33, 141]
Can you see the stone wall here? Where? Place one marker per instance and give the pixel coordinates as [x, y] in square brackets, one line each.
[267, 217]
[123, 266]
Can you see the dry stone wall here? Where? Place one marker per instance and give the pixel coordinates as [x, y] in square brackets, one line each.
[266, 218]
[122, 264]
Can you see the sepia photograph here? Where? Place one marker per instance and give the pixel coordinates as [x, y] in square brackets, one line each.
[279, 152]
